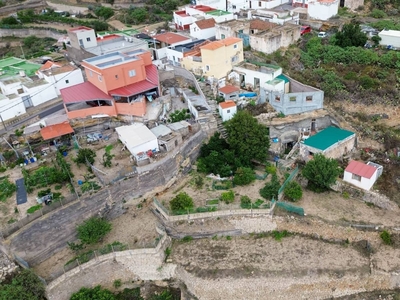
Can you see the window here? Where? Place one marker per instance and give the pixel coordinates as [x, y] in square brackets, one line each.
[259, 3]
[222, 36]
[100, 78]
[234, 6]
[90, 73]
[116, 76]
[67, 81]
[309, 98]
[241, 31]
[88, 39]
[207, 68]
[132, 73]
[356, 177]
[293, 98]
[278, 98]
[235, 46]
[234, 58]
[228, 111]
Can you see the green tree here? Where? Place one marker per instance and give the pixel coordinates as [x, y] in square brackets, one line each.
[247, 138]
[244, 176]
[182, 201]
[321, 172]
[85, 155]
[30, 41]
[9, 21]
[179, 115]
[271, 189]
[26, 15]
[293, 191]
[24, 286]
[104, 12]
[350, 35]
[96, 293]
[139, 15]
[93, 230]
[376, 39]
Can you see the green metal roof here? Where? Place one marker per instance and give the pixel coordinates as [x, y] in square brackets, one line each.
[217, 12]
[283, 77]
[11, 66]
[327, 137]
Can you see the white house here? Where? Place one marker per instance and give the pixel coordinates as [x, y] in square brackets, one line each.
[266, 4]
[61, 76]
[227, 110]
[390, 38]
[231, 6]
[322, 9]
[138, 139]
[229, 92]
[82, 36]
[362, 175]
[38, 92]
[203, 29]
[11, 108]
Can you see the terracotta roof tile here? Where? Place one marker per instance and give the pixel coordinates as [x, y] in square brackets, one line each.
[261, 25]
[206, 23]
[228, 89]
[218, 44]
[170, 38]
[55, 131]
[227, 104]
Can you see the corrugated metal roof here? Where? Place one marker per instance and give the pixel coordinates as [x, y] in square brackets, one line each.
[151, 82]
[161, 130]
[327, 137]
[81, 92]
[360, 169]
[55, 131]
[135, 135]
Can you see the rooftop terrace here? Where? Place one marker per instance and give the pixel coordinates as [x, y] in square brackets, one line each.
[114, 58]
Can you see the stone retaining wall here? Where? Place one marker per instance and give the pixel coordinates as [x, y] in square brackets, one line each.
[24, 32]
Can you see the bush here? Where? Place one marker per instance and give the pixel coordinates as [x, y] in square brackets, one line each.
[182, 201]
[34, 208]
[293, 191]
[25, 285]
[278, 235]
[244, 176]
[386, 238]
[378, 14]
[85, 155]
[93, 230]
[245, 202]
[187, 239]
[227, 197]
[7, 188]
[117, 283]
[271, 189]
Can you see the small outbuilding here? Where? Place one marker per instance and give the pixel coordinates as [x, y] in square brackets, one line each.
[139, 140]
[227, 110]
[167, 140]
[229, 92]
[332, 142]
[390, 38]
[182, 127]
[362, 175]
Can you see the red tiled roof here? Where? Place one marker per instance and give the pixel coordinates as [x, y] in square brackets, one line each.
[227, 104]
[206, 23]
[81, 92]
[228, 89]
[55, 131]
[261, 25]
[218, 44]
[360, 169]
[48, 65]
[80, 28]
[107, 37]
[170, 38]
[151, 82]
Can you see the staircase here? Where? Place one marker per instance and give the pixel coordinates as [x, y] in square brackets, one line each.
[208, 93]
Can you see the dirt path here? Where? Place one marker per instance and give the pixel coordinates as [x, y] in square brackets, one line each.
[73, 9]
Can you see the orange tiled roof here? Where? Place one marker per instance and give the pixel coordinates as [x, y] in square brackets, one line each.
[227, 104]
[261, 25]
[228, 89]
[218, 44]
[55, 131]
[170, 38]
[206, 23]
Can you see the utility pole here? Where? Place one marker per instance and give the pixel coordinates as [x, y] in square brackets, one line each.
[16, 152]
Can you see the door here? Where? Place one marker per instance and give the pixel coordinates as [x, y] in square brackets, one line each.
[81, 42]
[27, 101]
[313, 125]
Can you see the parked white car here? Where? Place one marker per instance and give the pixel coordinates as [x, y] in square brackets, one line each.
[322, 34]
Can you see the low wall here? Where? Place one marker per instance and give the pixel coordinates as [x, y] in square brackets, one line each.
[24, 32]
[367, 196]
[213, 214]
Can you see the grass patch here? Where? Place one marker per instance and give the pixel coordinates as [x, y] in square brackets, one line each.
[386, 237]
[279, 235]
[212, 202]
[34, 208]
[187, 239]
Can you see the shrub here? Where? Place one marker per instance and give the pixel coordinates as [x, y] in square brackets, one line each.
[367, 82]
[245, 202]
[93, 230]
[187, 239]
[182, 201]
[378, 14]
[386, 237]
[270, 169]
[271, 189]
[117, 283]
[278, 235]
[34, 208]
[293, 191]
[85, 155]
[244, 176]
[43, 193]
[227, 197]
[58, 187]
[199, 181]
[345, 195]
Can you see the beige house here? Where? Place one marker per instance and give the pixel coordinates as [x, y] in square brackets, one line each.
[215, 59]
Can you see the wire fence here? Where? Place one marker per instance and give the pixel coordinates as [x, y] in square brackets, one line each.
[11, 228]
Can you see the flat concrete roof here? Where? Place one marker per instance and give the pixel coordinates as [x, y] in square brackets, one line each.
[136, 134]
[117, 45]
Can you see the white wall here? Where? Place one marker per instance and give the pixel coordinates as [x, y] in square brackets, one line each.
[11, 88]
[267, 4]
[365, 183]
[153, 144]
[182, 21]
[233, 5]
[198, 33]
[264, 77]
[11, 108]
[225, 115]
[75, 77]
[223, 30]
[322, 11]
[389, 39]
[84, 35]
[41, 94]
[222, 18]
